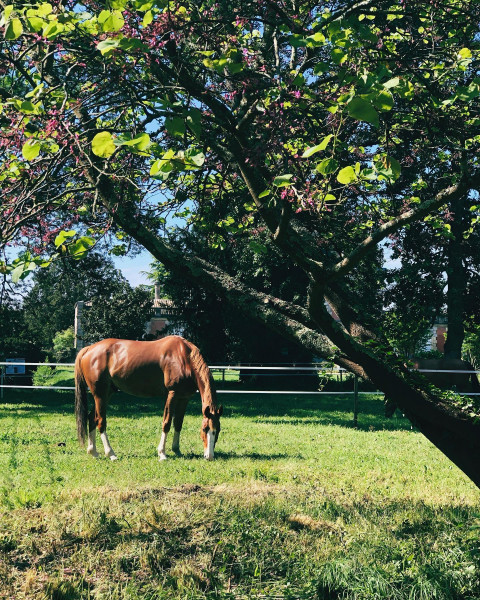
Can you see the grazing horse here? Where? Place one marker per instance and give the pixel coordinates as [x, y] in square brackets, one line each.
[171, 367]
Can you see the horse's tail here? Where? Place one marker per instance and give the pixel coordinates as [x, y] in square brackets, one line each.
[203, 376]
[81, 402]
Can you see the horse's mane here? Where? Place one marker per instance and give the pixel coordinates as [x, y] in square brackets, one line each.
[203, 375]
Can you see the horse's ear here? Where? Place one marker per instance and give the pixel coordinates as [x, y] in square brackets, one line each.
[220, 411]
[206, 412]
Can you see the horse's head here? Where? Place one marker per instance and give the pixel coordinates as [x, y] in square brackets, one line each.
[210, 429]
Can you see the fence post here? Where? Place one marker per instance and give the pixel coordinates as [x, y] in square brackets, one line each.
[2, 379]
[355, 401]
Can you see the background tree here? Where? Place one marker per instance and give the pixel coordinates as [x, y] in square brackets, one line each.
[15, 340]
[49, 306]
[335, 125]
[124, 314]
[64, 345]
[224, 333]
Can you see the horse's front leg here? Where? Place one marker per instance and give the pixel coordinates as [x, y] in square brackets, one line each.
[166, 424]
[180, 408]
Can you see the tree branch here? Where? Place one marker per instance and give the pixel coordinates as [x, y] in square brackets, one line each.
[415, 214]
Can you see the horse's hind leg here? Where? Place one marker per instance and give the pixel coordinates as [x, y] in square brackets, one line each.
[101, 419]
[92, 429]
[180, 408]
[166, 424]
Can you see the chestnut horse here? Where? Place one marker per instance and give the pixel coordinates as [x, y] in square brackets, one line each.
[171, 367]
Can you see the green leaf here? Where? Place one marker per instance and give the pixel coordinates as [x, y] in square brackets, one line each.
[235, 67]
[384, 100]
[31, 149]
[80, 247]
[257, 247]
[327, 166]
[194, 158]
[162, 167]
[28, 107]
[388, 167]
[321, 67]
[346, 175]
[194, 122]
[140, 142]
[391, 83]
[297, 40]
[111, 21]
[264, 194]
[321, 146]
[362, 110]
[395, 167]
[106, 46]
[339, 56]
[35, 23]
[147, 19]
[14, 29]
[317, 39]
[53, 29]
[63, 235]
[129, 44]
[282, 180]
[102, 144]
[465, 53]
[175, 126]
[45, 9]
[22, 271]
[8, 10]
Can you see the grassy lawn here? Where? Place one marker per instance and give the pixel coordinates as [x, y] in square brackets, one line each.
[297, 504]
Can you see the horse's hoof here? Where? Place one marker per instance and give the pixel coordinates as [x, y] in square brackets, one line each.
[93, 454]
[113, 457]
[162, 457]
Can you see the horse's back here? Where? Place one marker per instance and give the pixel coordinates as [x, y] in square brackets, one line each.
[141, 368]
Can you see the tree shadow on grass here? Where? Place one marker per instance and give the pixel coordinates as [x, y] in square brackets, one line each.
[281, 409]
[165, 543]
[250, 455]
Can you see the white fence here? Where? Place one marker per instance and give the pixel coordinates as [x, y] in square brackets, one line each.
[312, 368]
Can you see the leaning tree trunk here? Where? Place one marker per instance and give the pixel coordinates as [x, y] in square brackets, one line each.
[448, 428]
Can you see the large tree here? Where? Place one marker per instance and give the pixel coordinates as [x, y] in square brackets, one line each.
[332, 125]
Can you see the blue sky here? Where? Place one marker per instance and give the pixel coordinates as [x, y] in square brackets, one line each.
[132, 268]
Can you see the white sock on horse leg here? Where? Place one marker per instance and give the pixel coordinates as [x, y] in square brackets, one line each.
[108, 449]
[161, 446]
[91, 448]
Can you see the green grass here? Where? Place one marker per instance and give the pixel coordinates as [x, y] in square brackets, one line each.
[297, 504]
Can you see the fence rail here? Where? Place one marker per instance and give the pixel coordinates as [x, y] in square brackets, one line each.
[313, 369]
[260, 367]
[308, 369]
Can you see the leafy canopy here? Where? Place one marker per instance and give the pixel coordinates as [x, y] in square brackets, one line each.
[216, 111]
